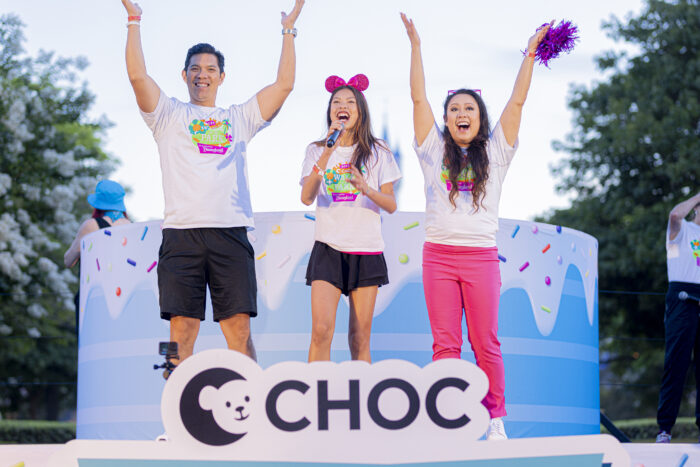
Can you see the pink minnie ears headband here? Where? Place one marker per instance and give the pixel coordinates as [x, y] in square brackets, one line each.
[359, 82]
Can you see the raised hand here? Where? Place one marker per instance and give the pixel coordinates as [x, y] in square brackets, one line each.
[288, 20]
[410, 30]
[536, 38]
[358, 180]
[132, 9]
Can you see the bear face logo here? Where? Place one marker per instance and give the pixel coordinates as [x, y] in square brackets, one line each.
[229, 404]
[214, 406]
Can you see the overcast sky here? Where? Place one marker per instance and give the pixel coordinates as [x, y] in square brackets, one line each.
[464, 43]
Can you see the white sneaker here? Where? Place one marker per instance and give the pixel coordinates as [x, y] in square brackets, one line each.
[163, 437]
[496, 430]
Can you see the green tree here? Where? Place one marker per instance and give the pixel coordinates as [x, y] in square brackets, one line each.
[633, 155]
[50, 159]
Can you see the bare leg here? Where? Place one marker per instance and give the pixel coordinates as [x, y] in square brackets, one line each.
[236, 330]
[324, 304]
[183, 330]
[362, 302]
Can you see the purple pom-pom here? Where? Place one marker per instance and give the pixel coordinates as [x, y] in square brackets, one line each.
[559, 38]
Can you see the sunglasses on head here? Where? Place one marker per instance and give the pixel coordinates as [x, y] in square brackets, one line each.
[452, 91]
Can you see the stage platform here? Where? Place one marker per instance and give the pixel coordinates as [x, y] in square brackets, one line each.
[641, 454]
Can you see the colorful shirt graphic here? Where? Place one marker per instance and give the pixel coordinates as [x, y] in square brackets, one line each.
[211, 136]
[695, 245]
[337, 180]
[465, 179]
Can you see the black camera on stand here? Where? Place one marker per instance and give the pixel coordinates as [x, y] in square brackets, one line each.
[169, 351]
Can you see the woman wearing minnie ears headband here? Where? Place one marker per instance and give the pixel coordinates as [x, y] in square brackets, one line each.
[464, 167]
[350, 180]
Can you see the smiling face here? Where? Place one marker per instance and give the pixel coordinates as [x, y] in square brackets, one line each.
[203, 78]
[343, 107]
[462, 118]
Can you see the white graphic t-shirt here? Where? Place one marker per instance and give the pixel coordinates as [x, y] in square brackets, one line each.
[683, 254]
[463, 225]
[203, 161]
[347, 220]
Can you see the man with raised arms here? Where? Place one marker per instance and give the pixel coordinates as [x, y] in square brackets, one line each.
[205, 183]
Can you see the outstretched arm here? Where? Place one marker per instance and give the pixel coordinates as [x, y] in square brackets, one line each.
[679, 212]
[423, 118]
[146, 90]
[510, 119]
[271, 98]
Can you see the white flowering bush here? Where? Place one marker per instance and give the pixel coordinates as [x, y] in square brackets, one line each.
[50, 160]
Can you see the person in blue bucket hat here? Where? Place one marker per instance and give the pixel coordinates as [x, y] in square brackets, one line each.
[108, 210]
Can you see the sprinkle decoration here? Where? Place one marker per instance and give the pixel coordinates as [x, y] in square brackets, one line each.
[98, 263]
[261, 255]
[535, 229]
[559, 260]
[524, 266]
[90, 247]
[548, 280]
[310, 217]
[276, 229]
[153, 264]
[559, 38]
[119, 291]
[515, 231]
[403, 258]
[124, 241]
[544, 308]
[145, 231]
[412, 225]
[502, 258]
[559, 229]
[283, 262]
[544, 250]
[131, 261]
[108, 233]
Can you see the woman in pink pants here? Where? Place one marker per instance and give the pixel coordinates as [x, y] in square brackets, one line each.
[464, 166]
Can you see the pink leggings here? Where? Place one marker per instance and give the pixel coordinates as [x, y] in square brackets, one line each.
[457, 278]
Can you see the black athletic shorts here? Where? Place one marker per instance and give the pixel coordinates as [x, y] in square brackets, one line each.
[191, 259]
[346, 271]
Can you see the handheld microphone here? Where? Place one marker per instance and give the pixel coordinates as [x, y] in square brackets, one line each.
[334, 136]
[683, 295]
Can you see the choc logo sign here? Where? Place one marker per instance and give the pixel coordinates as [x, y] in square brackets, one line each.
[223, 399]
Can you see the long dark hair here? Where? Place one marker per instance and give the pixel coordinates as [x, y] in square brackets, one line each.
[362, 132]
[98, 213]
[476, 153]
